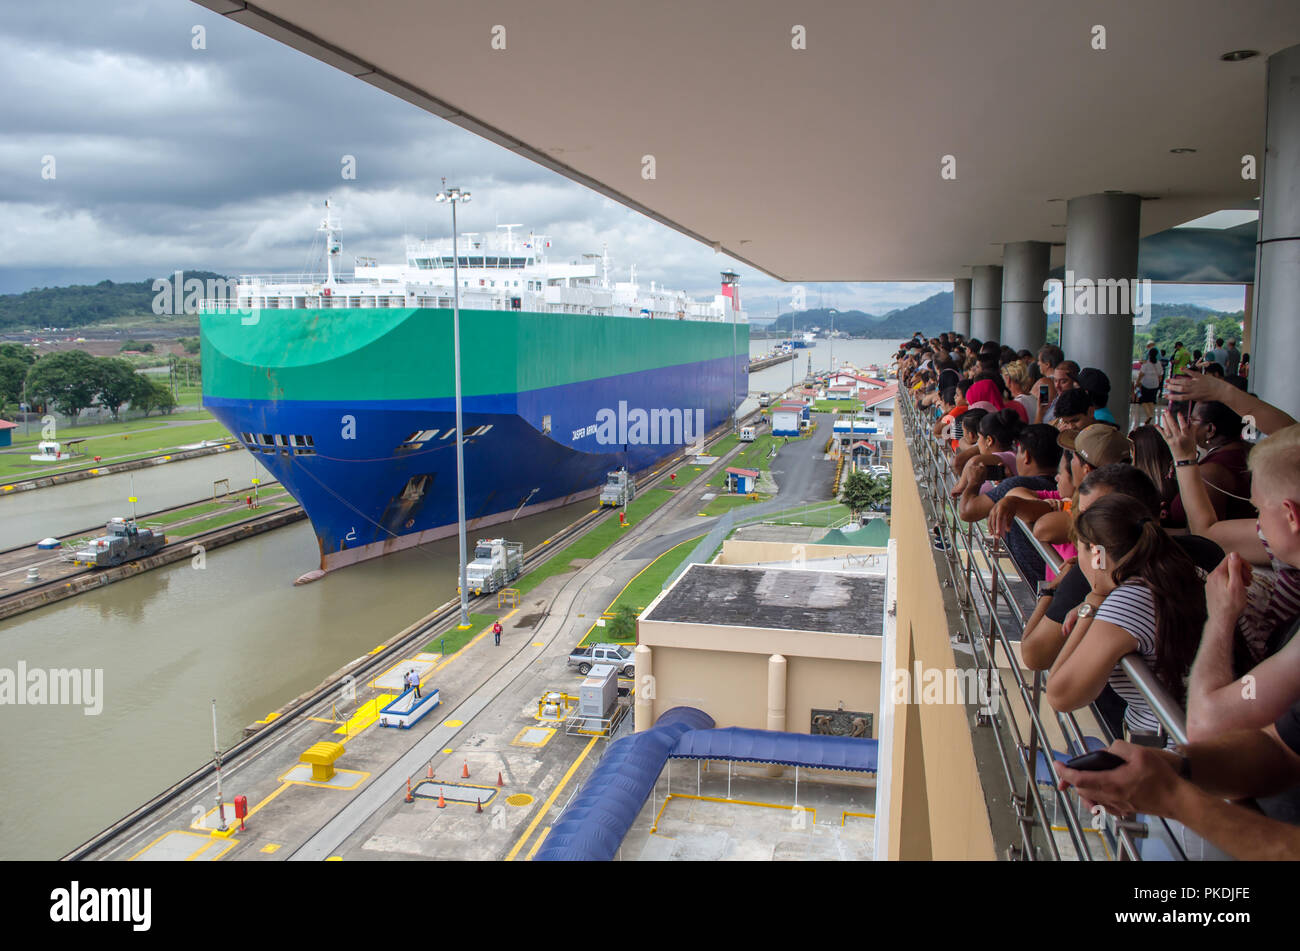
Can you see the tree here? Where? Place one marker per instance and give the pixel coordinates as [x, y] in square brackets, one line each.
[623, 625]
[189, 344]
[136, 345]
[863, 490]
[117, 382]
[153, 396]
[68, 381]
[12, 373]
[18, 352]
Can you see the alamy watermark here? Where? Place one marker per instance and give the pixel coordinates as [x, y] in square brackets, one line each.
[642, 427]
[181, 295]
[57, 686]
[954, 685]
[1084, 296]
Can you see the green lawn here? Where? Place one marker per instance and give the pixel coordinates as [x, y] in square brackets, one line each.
[118, 445]
[724, 445]
[235, 515]
[685, 476]
[596, 540]
[643, 588]
[836, 406]
[753, 456]
[725, 503]
[821, 514]
[447, 644]
[95, 430]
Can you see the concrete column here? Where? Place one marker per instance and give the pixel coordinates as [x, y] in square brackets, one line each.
[986, 302]
[1025, 266]
[776, 670]
[643, 711]
[961, 306]
[1277, 258]
[1101, 245]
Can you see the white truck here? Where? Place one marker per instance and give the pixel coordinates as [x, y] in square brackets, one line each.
[617, 656]
[496, 563]
[746, 433]
[619, 489]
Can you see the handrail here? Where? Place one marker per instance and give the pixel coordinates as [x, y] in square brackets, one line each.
[1166, 709]
[972, 557]
[1045, 552]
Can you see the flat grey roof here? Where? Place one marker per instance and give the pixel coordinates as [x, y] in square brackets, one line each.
[780, 598]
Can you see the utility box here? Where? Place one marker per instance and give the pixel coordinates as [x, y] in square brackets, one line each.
[599, 692]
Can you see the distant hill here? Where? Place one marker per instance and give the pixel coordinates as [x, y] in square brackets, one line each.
[83, 305]
[931, 316]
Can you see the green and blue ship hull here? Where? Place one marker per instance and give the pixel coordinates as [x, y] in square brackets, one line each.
[353, 410]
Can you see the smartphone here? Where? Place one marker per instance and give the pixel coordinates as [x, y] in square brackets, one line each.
[1042, 396]
[995, 473]
[956, 428]
[1096, 761]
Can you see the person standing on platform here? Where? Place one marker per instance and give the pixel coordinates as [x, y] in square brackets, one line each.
[496, 633]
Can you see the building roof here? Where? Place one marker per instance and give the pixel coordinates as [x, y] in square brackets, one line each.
[789, 599]
[5, 424]
[752, 473]
[880, 396]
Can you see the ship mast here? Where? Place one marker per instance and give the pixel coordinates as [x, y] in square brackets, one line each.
[332, 247]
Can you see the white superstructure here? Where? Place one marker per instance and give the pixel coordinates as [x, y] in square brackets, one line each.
[500, 271]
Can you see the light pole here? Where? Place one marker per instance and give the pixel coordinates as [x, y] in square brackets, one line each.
[833, 313]
[455, 196]
[731, 278]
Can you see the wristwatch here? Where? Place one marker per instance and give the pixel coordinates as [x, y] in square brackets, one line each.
[1178, 463]
[1086, 610]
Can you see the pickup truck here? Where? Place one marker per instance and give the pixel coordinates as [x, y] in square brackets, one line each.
[584, 658]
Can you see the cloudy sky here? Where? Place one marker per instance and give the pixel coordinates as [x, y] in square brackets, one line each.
[165, 157]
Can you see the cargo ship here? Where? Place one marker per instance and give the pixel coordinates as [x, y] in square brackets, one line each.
[344, 388]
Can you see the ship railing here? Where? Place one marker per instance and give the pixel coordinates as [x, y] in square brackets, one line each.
[991, 620]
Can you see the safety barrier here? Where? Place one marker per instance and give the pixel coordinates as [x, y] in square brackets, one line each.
[990, 619]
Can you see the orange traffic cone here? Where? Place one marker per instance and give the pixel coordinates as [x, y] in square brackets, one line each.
[480, 806]
[464, 771]
[442, 803]
[500, 781]
[431, 769]
[409, 797]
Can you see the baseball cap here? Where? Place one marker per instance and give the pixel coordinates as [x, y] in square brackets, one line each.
[1098, 445]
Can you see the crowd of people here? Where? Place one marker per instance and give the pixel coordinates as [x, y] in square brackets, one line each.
[1179, 542]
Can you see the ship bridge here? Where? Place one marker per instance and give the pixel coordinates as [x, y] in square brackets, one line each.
[988, 144]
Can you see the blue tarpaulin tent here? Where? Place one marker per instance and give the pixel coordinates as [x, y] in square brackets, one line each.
[594, 824]
[849, 753]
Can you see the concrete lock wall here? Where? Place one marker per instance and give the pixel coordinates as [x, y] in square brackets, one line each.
[937, 802]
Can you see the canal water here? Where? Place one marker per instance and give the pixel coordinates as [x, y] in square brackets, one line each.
[170, 641]
[234, 629]
[860, 353]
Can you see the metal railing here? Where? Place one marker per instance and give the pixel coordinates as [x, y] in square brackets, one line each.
[991, 619]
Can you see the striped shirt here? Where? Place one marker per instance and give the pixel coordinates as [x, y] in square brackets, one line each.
[1132, 608]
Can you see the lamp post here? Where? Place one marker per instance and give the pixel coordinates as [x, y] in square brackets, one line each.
[732, 279]
[455, 196]
[833, 313]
